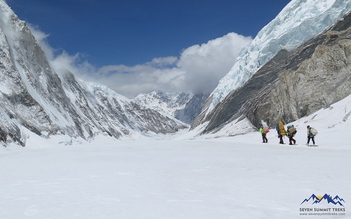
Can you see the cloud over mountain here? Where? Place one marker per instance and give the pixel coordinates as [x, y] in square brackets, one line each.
[197, 69]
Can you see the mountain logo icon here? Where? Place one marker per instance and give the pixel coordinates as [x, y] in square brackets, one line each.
[313, 199]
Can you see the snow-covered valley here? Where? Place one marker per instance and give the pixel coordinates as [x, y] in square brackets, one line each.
[75, 150]
[172, 176]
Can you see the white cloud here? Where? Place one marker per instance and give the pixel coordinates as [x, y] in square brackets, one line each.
[164, 61]
[41, 39]
[197, 70]
[62, 62]
[206, 64]
[130, 81]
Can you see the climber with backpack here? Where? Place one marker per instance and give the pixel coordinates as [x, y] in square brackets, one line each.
[264, 131]
[280, 131]
[311, 132]
[291, 133]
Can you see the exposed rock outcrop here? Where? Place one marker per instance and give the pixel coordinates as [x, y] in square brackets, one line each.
[293, 84]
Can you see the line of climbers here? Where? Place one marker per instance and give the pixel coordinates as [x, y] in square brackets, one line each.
[290, 132]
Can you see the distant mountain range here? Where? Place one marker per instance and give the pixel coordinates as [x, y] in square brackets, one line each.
[182, 106]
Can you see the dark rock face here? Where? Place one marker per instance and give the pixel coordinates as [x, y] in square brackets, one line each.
[293, 84]
[249, 95]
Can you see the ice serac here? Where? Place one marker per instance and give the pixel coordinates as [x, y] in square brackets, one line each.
[293, 84]
[299, 21]
[34, 96]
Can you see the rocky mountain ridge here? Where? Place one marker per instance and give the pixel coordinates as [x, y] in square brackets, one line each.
[299, 21]
[293, 84]
[33, 96]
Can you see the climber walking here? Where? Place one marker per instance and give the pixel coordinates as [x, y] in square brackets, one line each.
[264, 132]
[311, 132]
[281, 131]
[291, 133]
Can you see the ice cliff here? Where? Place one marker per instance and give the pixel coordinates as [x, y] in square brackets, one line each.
[299, 21]
[292, 85]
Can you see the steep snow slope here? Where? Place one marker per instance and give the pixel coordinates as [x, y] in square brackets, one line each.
[299, 21]
[34, 96]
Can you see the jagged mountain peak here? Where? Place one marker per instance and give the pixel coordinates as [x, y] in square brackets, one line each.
[34, 97]
[182, 106]
[164, 101]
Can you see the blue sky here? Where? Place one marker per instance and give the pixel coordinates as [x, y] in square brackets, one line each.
[133, 33]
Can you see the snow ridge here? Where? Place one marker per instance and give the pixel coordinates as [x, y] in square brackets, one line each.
[34, 97]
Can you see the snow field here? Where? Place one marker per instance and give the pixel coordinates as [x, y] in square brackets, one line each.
[179, 176]
[218, 178]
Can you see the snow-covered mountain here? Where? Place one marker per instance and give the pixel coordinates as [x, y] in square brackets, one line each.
[182, 106]
[33, 96]
[299, 21]
[164, 102]
[191, 109]
[241, 95]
